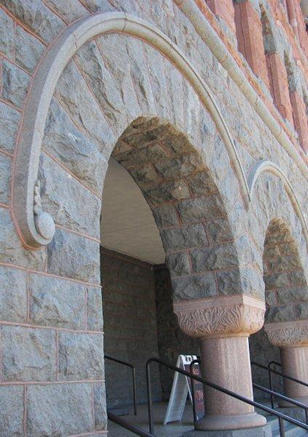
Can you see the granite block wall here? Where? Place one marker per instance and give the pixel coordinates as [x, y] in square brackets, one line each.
[51, 360]
[130, 326]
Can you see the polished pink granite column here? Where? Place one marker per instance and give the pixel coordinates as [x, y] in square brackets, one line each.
[223, 325]
[292, 338]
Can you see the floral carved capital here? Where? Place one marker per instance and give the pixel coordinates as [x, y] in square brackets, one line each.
[221, 315]
[287, 334]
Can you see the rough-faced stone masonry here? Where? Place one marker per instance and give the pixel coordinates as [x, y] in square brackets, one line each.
[205, 104]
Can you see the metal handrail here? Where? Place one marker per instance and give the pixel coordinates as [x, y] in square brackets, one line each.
[125, 363]
[279, 373]
[269, 391]
[284, 398]
[273, 412]
[122, 422]
[270, 371]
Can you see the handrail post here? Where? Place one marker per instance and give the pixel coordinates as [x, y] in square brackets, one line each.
[271, 384]
[125, 363]
[127, 425]
[149, 392]
[134, 390]
[281, 427]
[193, 390]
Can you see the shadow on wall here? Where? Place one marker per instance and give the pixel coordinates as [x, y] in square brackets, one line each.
[285, 292]
[130, 326]
[171, 339]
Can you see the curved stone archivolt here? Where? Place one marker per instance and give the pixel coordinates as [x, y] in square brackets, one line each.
[97, 111]
[270, 167]
[273, 199]
[37, 230]
[34, 226]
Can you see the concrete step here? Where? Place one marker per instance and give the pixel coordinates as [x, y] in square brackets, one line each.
[290, 429]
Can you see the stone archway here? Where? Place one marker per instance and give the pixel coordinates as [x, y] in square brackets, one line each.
[193, 223]
[285, 283]
[286, 293]
[96, 78]
[190, 176]
[279, 232]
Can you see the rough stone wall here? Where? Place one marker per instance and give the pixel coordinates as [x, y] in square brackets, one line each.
[285, 282]
[171, 340]
[51, 322]
[139, 323]
[262, 351]
[130, 326]
[285, 293]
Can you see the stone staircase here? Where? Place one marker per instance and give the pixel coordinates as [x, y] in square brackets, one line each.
[290, 430]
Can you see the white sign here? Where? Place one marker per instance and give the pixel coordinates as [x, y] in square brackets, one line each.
[180, 390]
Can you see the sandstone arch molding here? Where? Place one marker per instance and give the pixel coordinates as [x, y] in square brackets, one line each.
[271, 167]
[34, 226]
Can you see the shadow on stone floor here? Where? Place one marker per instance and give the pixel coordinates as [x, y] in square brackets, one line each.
[175, 429]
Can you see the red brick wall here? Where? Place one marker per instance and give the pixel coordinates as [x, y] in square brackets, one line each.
[279, 85]
[288, 17]
[250, 38]
[300, 118]
[224, 9]
[301, 30]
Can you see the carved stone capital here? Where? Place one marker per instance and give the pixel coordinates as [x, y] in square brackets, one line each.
[220, 316]
[288, 334]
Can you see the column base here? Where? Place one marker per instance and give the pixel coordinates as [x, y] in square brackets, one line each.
[231, 422]
[261, 431]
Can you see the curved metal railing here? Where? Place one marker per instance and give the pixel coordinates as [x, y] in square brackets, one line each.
[269, 370]
[127, 425]
[125, 363]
